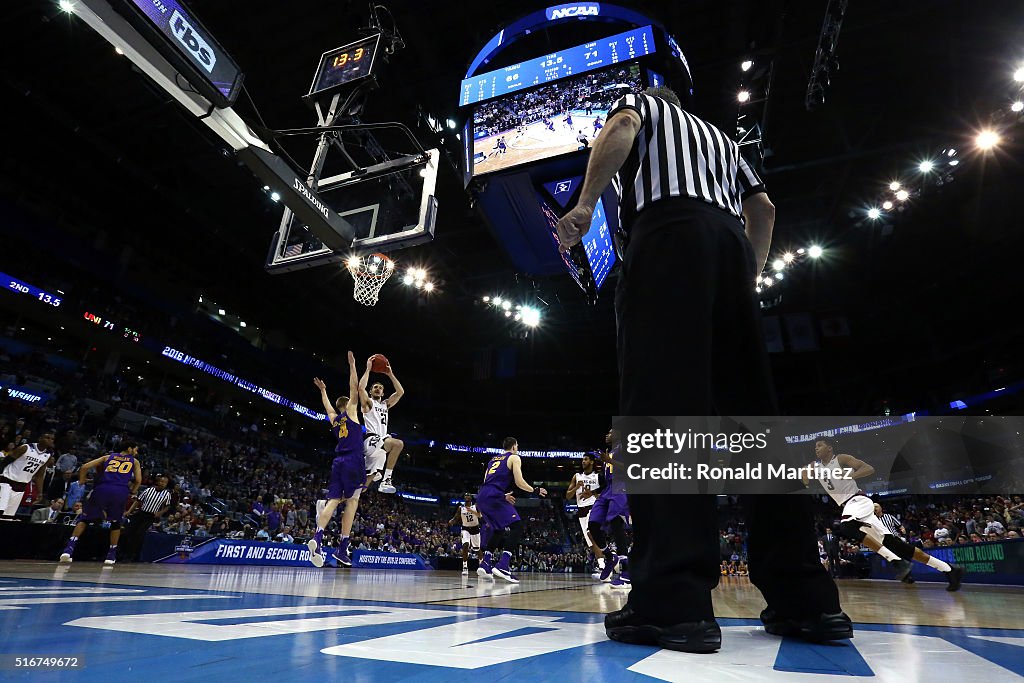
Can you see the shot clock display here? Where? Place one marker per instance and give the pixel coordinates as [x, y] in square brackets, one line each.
[345, 64]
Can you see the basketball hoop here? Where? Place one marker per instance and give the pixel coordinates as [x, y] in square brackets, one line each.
[370, 273]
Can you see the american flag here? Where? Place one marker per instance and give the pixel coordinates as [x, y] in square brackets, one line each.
[293, 250]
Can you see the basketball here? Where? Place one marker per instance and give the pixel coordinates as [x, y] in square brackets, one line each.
[380, 362]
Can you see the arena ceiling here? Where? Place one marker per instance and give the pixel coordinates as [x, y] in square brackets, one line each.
[107, 151]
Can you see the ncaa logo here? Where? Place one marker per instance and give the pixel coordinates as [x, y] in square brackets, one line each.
[563, 186]
[198, 48]
[590, 9]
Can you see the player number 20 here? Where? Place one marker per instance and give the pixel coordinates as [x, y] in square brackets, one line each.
[120, 467]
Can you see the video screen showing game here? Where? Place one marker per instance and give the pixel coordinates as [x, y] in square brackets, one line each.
[559, 118]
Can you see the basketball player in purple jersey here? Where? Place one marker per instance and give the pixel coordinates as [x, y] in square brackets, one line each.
[611, 510]
[502, 526]
[347, 473]
[118, 477]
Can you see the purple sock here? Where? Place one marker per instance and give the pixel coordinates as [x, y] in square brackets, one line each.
[319, 537]
[504, 560]
[487, 557]
[344, 544]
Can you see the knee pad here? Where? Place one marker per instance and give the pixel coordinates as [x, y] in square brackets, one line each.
[898, 546]
[851, 529]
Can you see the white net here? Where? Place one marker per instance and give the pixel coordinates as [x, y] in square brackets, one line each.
[370, 273]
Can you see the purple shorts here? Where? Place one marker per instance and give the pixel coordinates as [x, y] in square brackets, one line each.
[347, 476]
[105, 503]
[495, 510]
[609, 506]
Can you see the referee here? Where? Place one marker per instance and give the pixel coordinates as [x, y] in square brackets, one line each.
[154, 502]
[895, 527]
[697, 227]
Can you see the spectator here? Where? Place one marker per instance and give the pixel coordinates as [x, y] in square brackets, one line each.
[67, 462]
[48, 515]
[285, 536]
[274, 518]
[263, 534]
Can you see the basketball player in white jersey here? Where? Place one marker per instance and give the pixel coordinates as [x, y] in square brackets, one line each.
[25, 463]
[859, 523]
[375, 418]
[470, 530]
[585, 485]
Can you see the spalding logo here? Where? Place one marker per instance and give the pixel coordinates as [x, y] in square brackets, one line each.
[566, 11]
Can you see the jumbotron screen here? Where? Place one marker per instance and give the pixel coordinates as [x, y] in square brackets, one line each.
[558, 118]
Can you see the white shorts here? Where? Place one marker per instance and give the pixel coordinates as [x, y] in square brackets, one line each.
[375, 461]
[10, 500]
[585, 525]
[862, 509]
[372, 442]
[472, 539]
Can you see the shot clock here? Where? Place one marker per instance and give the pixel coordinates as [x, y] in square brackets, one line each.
[344, 65]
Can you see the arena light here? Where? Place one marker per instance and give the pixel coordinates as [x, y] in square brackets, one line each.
[508, 314]
[800, 251]
[759, 279]
[788, 257]
[746, 64]
[220, 311]
[1018, 75]
[421, 274]
[1017, 106]
[119, 51]
[954, 162]
[487, 299]
[886, 205]
[66, 6]
[428, 286]
[352, 262]
[418, 284]
[531, 317]
[778, 264]
[902, 195]
[407, 280]
[274, 196]
[757, 289]
[986, 139]
[779, 276]
[517, 317]
[815, 251]
[926, 166]
[874, 214]
[951, 152]
[743, 96]
[497, 301]
[452, 124]
[768, 282]
[240, 324]
[506, 305]
[895, 185]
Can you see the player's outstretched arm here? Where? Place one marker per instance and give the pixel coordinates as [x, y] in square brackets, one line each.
[515, 463]
[860, 468]
[364, 398]
[355, 388]
[399, 389]
[92, 464]
[328, 408]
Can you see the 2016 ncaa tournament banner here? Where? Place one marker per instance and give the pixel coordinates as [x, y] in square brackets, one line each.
[227, 551]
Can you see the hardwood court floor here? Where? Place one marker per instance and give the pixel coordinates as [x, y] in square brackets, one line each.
[192, 622]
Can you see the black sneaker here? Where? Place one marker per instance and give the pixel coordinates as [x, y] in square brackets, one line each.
[955, 575]
[820, 629]
[626, 626]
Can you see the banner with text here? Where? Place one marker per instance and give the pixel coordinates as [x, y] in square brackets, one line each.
[372, 559]
[837, 456]
[228, 551]
[1001, 562]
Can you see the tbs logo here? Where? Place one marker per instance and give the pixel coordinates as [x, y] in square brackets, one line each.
[188, 37]
[590, 9]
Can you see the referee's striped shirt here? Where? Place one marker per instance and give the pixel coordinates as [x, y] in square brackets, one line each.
[677, 154]
[891, 523]
[152, 500]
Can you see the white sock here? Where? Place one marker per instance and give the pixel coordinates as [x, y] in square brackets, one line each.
[888, 554]
[387, 473]
[938, 564]
[600, 563]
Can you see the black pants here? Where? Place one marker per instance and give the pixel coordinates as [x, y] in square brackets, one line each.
[134, 535]
[690, 343]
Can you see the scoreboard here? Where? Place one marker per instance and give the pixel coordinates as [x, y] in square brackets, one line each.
[590, 56]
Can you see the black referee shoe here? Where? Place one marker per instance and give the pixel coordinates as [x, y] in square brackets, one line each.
[819, 629]
[955, 575]
[626, 626]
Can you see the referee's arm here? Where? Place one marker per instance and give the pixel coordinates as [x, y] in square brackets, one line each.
[606, 157]
[758, 212]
